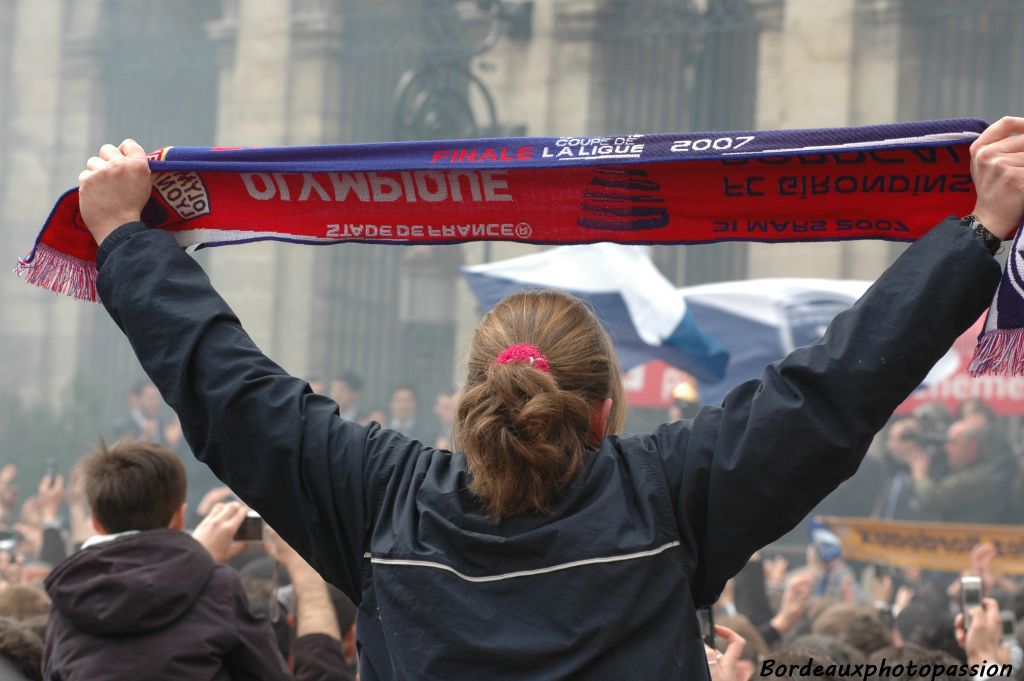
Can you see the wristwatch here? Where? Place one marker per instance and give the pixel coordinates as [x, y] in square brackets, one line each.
[991, 241]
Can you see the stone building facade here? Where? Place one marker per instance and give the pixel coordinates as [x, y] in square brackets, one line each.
[293, 72]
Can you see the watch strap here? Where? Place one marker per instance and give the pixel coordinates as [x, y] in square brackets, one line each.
[991, 241]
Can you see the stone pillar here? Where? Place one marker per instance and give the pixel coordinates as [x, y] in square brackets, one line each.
[874, 98]
[314, 39]
[813, 73]
[255, 42]
[39, 329]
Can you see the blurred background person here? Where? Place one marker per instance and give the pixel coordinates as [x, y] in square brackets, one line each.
[345, 389]
[978, 486]
[143, 421]
[404, 414]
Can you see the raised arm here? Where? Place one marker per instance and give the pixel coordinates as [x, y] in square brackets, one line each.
[281, 448]
[744, 473]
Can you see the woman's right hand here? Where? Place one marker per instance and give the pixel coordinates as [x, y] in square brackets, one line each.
[997, 166]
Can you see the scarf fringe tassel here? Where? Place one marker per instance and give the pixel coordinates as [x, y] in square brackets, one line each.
[59, 272]
[999, 351]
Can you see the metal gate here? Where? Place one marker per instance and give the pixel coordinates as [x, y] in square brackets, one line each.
[172, 100]
[404, 71]
[961, 58]
[681, 65]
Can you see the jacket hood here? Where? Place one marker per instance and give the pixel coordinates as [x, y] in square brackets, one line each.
[134, 584]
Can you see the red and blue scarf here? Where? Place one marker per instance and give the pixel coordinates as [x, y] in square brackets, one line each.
[875, 182]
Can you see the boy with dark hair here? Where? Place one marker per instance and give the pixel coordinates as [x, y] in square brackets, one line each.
[134, 486]
[142, 598]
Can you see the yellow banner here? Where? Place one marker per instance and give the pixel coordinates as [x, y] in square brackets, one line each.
[933, 546]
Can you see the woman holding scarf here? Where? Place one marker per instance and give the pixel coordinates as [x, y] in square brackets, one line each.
[547, 546]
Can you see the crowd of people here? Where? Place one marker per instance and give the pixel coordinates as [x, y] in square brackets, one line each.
[937, 465]
[58, 621]
[872, 621]
[149, 419]
[777, 622]
[103, 574]
[204, 599]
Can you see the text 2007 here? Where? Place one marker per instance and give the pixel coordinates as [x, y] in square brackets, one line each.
[871, 226]
[717, 143]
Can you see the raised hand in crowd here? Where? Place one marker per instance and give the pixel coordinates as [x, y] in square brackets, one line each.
[982, 641]
[78, 507]
[150, 430]
[74, 494]
[981, 566]
[881, 589]
[982, 556]
[317, 653]
[40, 527]
[794, 601]
[51, 497]
[775, 570]
[920, 463]
[214, 496]
[172, 433]
[31, 511]
[849, 593]
[904, 595]
[727, 601]
[723, 664]
[8, 492]
[30, 526]
[31, 541]
[311, 594]
[10, 569]
[217, 530]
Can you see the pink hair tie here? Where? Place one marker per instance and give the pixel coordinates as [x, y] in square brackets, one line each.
[524, 352]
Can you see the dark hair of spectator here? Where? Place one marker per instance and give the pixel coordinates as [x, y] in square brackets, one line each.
[934, 417]
[819, 604]
[857, 625]
[755, 648]
[21, 602]
[353, 380]
[37, 625]
[919, 624]
[406, 386]
[902, 418]
[975, 405]
[902, 657]
[830, 646]
[21, 648]
[825, 650]
[133, 485]
[524, 431]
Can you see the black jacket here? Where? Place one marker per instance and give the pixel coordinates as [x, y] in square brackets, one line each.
[154, 605]
[652, 527]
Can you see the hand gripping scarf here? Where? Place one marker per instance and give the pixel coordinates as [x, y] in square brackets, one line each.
[876, 182]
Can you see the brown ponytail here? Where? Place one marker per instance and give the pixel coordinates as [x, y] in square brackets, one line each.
[524, 431]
